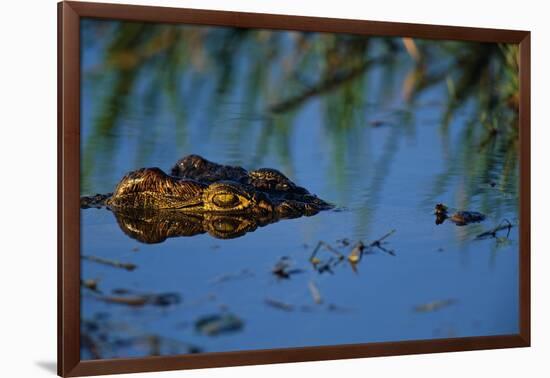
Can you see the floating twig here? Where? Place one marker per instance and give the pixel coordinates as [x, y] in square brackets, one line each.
[345, 242]
[321, 266]
[378, 243]
[493, 232]
[212, 325]
[116, 264]
[279, 305]
[136, 300]
[315, 293]
[328, 247]
[245, 273]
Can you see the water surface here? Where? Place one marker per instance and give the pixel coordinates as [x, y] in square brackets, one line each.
[382, 152]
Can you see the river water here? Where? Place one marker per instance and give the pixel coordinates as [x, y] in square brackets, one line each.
[383, 159]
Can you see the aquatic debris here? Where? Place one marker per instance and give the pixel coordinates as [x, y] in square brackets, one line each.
[279, 304]
[282, 268]
[121, 291]
[116, 264]
[344, 242]
[325, 266]
[380, 241]
[315, 293]
[460, 218]
[134, 301]
[91, 284]
[360, 248]
[288, 307]
[434, 306]
[165, 299]
[356, 253]
[102, 338]
[328, 247]
[354, 256]
[245, 273]
[216, 324]
[139, 300]
[493, 232]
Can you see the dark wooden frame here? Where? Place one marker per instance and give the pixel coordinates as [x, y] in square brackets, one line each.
[69, 14]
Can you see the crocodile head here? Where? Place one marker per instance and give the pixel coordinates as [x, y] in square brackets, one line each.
[202, 196]
[150, 188]
[284, 193]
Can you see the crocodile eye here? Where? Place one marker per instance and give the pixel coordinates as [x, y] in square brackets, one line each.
[225, 200]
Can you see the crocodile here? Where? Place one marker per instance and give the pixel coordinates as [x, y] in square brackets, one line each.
[202, 196]
[154, 226]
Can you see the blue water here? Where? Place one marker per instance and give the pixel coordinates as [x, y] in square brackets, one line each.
[381, 178]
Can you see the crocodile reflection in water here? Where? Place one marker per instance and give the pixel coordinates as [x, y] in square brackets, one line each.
[155, 226]
[201, 196]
